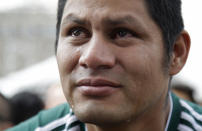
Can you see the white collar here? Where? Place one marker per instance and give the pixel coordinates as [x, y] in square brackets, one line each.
[170, 112]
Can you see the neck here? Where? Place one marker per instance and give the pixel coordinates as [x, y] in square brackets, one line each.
[154, 119]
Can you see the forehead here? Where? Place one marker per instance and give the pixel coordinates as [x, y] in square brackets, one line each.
[98, 3]
[105, 7]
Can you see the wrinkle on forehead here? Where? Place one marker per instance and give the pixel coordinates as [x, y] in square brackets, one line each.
[98, 9]
[90, 3]
[101, 5]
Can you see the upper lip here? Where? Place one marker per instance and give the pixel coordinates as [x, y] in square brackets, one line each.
[97, 82]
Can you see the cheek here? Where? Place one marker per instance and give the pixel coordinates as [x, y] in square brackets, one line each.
[139, 61]
[67, 59]
[145, 77]
[143, 67]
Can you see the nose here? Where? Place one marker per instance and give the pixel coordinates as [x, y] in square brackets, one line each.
[98, 54]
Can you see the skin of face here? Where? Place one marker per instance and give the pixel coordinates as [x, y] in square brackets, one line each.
[115, 42]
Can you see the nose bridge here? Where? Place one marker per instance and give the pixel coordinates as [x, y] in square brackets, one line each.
[98, 47]
[97, 53]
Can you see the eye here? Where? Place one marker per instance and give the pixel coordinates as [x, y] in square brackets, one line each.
[121, 33]
[78, 32]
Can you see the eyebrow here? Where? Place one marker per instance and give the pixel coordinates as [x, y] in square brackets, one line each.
[73, 19]
[109, 21]
[125, 20]
[120, 20]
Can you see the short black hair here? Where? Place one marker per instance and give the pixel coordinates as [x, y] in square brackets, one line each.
[165, 13]
[60, 9]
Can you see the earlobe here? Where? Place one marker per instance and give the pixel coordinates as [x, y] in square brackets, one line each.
[180, 53]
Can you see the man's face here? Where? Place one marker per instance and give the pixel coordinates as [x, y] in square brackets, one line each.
[110, 56]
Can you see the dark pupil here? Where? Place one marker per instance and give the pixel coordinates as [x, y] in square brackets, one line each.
[122, 33]
[76, 32]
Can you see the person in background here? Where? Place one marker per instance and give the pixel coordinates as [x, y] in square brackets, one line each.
[184, 91]
[5, 113]
[24, 106]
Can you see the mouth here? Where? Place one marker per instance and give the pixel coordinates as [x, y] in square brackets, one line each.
[97, 87]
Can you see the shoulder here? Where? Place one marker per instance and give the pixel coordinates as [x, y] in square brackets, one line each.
[190, 117]
[43, 118]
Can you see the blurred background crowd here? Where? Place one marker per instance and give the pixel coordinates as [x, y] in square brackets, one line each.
[29, 79]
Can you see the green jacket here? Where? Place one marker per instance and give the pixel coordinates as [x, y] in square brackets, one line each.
[183, 116]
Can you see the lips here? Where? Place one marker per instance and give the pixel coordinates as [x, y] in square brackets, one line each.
[97, 87]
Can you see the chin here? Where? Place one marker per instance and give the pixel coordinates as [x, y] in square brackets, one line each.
[100, 115]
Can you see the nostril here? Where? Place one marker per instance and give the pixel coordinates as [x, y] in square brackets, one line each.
[82, 62]
[84, 65]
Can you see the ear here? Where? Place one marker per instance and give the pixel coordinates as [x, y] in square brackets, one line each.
[180, 53]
